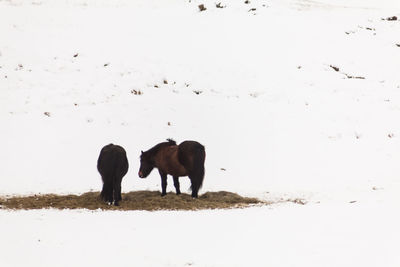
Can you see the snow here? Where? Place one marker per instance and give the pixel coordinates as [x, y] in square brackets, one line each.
[271, 111]
[282, 235]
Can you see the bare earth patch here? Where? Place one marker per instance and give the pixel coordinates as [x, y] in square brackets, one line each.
[138, 200]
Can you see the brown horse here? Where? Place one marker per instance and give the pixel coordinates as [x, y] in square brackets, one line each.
[112, 165]
[185, 159]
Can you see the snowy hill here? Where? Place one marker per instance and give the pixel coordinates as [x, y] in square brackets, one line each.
[291, 98]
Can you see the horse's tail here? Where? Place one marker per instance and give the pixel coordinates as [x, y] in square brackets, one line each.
[199, 157]
[198, 165]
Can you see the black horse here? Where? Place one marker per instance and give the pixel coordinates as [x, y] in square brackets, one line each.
[187, 159]
[112, 165]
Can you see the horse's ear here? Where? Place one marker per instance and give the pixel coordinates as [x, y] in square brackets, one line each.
[142, 152]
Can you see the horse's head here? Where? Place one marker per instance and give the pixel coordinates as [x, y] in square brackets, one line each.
[146, 165]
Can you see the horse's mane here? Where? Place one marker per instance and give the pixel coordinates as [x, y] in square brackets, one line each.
[171, 141]
[152, 151]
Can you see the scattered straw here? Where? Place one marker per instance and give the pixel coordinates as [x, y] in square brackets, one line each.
[138, 200]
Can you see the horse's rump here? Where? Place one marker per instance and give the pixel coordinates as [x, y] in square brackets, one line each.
[112, 161]
[192, 155]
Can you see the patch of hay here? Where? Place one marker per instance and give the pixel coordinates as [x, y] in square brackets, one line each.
[138, 200]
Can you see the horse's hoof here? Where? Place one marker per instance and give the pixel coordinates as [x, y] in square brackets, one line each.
[116, 204]
[178, 193]
[163, 194]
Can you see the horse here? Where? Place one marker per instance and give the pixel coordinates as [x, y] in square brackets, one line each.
[185, 159]
[112, 165]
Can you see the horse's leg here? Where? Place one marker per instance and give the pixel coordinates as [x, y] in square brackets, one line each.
[195, 186]
[163, 183]
[103, 192]
[117, 191]
[176, 184]
[106, 192]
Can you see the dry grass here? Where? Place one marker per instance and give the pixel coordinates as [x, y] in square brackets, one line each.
[138, 200]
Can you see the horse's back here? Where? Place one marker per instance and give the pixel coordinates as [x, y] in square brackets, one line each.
[112, 161]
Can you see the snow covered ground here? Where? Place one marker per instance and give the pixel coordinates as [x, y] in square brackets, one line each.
[255, 83]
